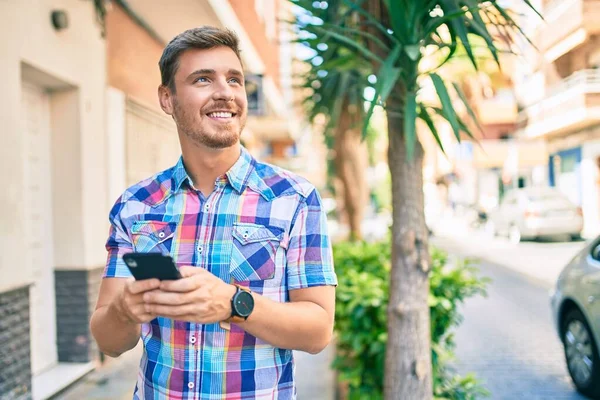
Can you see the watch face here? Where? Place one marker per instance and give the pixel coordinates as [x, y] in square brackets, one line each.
[243, 304]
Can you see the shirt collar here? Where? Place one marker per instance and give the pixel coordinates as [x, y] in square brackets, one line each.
[238, 175]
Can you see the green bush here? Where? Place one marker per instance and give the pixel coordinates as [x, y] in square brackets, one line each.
[361, 321]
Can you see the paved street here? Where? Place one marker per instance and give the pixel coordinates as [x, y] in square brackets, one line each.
[541, 261]
[508, 339]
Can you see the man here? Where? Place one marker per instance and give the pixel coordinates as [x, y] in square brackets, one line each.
[237, 229]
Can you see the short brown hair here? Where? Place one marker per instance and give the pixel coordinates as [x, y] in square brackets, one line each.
[204, 37]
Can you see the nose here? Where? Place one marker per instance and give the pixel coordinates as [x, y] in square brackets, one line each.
[223, 91]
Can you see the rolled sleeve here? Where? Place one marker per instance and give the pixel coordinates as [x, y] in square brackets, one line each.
[309, 255]
[118, 244]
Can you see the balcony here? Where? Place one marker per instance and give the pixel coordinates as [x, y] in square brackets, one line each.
[569, 23]
[571, 105]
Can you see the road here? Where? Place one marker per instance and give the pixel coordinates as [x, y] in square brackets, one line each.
[508, 339]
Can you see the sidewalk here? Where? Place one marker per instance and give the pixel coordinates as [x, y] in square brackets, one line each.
[315, 381]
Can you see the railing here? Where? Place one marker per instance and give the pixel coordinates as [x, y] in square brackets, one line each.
[579, 83]
[583, 78]
[556, 7]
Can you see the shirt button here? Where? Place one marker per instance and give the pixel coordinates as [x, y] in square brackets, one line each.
[193, 339]
[190, 385]
[200, 249]
[207, 207]
[161, 235]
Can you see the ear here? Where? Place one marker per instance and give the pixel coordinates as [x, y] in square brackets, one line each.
[165, 98]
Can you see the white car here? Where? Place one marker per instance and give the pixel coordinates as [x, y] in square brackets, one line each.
[530, 213]
[576, 311]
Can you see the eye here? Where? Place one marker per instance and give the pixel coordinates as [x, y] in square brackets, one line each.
[201, 79]
[236, 80]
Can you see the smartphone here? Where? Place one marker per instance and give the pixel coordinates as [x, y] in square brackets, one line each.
[151, 265]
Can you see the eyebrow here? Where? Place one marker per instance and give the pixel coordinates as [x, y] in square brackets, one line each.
[232, 71]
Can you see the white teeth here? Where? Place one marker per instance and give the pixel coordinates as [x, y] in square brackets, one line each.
[220, 115]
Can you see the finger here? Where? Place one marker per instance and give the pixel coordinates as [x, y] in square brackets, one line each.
[134, 300]
[168, 311]
[143, 285]
[190, 271]
[166, 298]
[181, 285]
[138, 314]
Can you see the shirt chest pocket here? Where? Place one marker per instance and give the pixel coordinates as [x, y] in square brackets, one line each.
[152, 236]
[254, 251]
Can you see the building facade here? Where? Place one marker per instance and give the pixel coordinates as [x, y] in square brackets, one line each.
[81, 123]
[560, 93]
[54, 207]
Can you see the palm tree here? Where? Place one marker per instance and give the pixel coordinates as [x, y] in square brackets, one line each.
[400, 39]
[336, 80]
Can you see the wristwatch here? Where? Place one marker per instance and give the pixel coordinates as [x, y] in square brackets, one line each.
[242, 304]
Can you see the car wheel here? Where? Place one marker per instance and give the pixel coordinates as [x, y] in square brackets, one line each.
[581, 354]
[514, 234]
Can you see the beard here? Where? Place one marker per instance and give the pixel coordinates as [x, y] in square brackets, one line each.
[211, 137]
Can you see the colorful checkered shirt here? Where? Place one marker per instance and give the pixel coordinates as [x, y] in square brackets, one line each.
[261, 227]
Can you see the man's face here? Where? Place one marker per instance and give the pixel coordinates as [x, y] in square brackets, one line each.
[210, 104]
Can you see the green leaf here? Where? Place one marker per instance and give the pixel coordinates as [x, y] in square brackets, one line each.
[435, 22]
[424, 115]
[370, 19]
[533, 8]
[480, 27]
[361, 33]
[398, 22]
[447, 107]
[386, 80]
[459, 26]
[413, 51]
[350, 42]
[465, 129]
[464, 100]
[511, 23]
[388, 74]
[410, 116]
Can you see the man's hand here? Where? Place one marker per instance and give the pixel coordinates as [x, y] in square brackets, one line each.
[198, 297]
[130, 306]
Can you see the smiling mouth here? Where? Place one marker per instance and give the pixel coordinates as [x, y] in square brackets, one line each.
[221, 115]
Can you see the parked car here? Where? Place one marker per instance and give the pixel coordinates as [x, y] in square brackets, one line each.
[530, 213]
[576, 311]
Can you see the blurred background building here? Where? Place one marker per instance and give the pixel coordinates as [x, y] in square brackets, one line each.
[559, 89]
[81, 123]
[540, 116]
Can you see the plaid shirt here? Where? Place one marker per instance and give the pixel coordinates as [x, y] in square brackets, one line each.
[261, 227]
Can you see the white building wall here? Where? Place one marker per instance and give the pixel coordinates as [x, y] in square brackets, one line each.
[71, 65]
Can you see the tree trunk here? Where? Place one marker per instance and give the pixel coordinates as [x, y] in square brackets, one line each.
[408, 357]
[350, 160]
